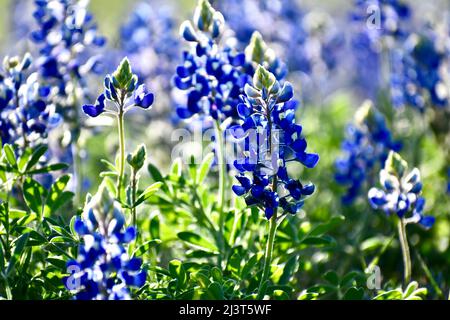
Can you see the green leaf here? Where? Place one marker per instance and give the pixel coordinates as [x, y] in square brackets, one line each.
[354, 294]
[251, 263]
[204, 168]
[332, 277]
[38, 152]
[148, 193]
[197, 241]
[49, 168]
[57, 196]
[215, 291]
[177, 271]
[142, 249]
[137, 158]
[326, 227]
[175, 170]
[18, 249]
[318, 241]
[280, 295]
[34, 194]
[36, 239]
[155, 173]
[154, 227]
[288, 270]
[2, 259]
[59, 263]
[216, 274]
[10, 156]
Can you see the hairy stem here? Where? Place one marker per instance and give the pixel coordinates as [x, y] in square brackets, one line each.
[268, 253]
[405, 251]
[133, 196]
[222, 185]
[120, 117]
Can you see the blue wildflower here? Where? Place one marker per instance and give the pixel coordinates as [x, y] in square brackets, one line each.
[418, 75]
[401, 192]
[149, 40]
[103, 269]
[211, 74]
[27, 115]
[368, 142]
[311, 42]
[121, 89]
[65, 32]
[271, 140]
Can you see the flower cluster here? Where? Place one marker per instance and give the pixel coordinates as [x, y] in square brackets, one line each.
[377, 26]
[26, 113]
[420, 73]
[211, 72]
[103, 269]
[366, 147]
[122, 89]
[401, 193]
[65, 31]
[148, 39]
[271, 140]
[310, 41]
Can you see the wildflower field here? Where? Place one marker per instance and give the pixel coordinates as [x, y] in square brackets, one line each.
[225, 150]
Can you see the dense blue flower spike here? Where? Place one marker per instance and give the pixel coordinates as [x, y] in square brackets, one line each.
[65, 33]
[401, 192]
[149, 40]
[211, 72]
[367, 145]
[419, 75]
[103, 269]
[310, 42]
[26, 114]
[272, 139]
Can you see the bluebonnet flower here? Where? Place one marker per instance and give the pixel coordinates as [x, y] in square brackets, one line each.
[419, 75]
[103, 269]
[377, 26]
[258, 53]
[271, 140]
[26, 113]
[401, 192]
[149, 40]
[65, 33]
[211, 72]
[367, 145]
[122, 89]
[310, 42]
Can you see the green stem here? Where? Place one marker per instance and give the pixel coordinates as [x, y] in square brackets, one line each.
[133, 196]
[120, 117]
[222, 185]
[268, 253]
[405, 251]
